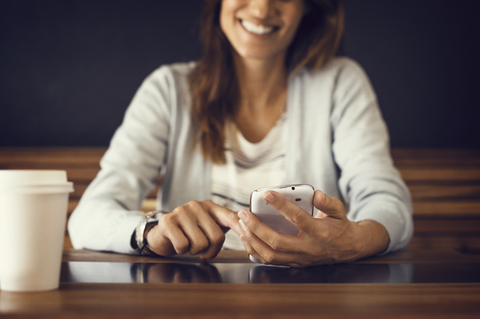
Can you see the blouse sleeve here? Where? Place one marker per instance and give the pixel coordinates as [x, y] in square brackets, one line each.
[371, 186]
[109, 209]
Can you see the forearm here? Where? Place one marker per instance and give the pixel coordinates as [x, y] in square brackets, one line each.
[102, 226]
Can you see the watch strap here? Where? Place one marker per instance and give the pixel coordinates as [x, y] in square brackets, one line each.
[145, 250]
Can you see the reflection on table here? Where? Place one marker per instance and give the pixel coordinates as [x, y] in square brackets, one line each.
[240, 273]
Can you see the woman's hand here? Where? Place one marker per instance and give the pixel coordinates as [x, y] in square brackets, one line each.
[325, 239]
[195, 228]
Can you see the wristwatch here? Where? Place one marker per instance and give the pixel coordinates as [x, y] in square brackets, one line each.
[139, 240]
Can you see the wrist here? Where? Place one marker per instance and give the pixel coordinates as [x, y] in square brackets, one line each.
[372, 238]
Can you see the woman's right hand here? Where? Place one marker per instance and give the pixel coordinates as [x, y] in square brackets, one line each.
[194, 228]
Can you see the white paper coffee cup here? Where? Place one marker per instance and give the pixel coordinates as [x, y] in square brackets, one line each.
[33, 211]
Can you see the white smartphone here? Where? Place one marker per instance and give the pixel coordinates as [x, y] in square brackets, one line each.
[300, 194]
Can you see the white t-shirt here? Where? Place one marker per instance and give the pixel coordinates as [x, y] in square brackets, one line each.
[249, 166]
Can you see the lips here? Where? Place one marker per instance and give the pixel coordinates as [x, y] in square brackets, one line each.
[256, 28]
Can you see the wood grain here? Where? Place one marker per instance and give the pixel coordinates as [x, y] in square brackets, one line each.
[249, 301]
[445, 187]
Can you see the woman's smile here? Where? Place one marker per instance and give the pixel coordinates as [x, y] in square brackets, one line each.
[260, 29]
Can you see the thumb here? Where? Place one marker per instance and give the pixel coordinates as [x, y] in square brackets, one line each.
[332, 207]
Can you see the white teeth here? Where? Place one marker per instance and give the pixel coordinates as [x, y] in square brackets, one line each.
[257, 29]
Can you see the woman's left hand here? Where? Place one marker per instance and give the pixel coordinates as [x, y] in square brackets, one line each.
[327, 238]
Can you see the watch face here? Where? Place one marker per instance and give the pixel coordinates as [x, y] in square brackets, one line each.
[139, 233]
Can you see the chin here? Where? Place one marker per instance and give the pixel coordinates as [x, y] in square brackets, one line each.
[256, 54]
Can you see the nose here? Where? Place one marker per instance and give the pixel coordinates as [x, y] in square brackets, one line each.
[262, 9]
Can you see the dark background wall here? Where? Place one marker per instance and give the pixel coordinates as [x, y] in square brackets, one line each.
[68, 69]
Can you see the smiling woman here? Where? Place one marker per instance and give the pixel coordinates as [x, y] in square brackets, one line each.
[225, 38]
[269, 103]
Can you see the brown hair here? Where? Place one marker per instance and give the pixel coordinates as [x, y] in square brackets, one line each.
[213, 84]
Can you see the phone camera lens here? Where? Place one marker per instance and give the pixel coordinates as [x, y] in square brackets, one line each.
[293, 188]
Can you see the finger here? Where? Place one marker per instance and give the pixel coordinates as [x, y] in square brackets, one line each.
[294, 213]
[216, 238]
[220, 220]
[168, 229]
[248, 248]
[158, 243]
[224, 217]
[206, 214]
[250, 240]
[258, 249]
[330, 206]
[193, 226]
[211, 230]
[266, 235]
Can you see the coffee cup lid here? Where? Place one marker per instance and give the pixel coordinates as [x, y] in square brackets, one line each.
[32, 177]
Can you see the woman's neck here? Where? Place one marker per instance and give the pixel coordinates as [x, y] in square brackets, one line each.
[263, 91]
[261, 83]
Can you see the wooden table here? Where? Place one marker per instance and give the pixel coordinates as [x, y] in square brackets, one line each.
[436, 284]
[431, 279]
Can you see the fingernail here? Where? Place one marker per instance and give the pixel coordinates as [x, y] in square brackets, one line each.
[268, 197]
[242, 224]
[242, 215]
